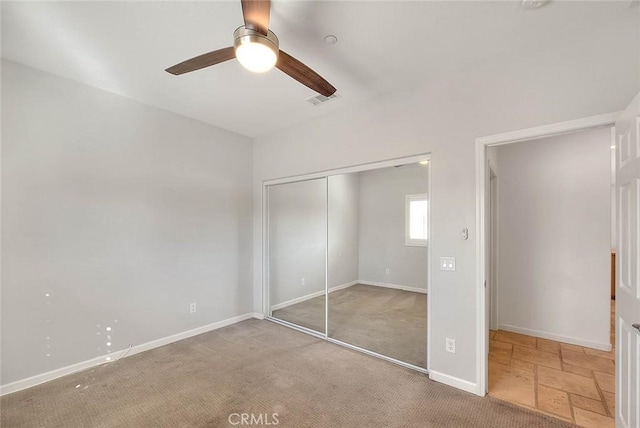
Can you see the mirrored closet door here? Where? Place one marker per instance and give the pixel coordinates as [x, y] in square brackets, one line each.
[348, 258]
[297, 227]
[378, 261]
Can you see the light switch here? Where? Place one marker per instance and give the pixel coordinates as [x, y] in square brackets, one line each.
[448, 264]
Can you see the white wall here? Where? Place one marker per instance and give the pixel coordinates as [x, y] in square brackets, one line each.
[297, 239]
[444, 117]
[114, 214]
[382, 226]
[344, 196]
[554, 223]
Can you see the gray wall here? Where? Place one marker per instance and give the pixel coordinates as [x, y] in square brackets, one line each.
[297, 239]
[344, 196]
[122, 214]
[382, 226]
[554, 232]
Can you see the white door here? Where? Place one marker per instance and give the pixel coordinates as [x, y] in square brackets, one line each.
[628, 267]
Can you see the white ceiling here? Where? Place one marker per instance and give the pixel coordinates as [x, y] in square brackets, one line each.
[124, 47]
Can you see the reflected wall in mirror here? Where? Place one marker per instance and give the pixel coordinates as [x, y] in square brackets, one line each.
[297, 227]
[377, 254]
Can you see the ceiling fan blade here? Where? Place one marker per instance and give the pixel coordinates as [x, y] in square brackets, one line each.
[304, 74]
[256, 15]
[202, 61]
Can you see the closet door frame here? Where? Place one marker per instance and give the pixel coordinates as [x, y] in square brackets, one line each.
[266, 306]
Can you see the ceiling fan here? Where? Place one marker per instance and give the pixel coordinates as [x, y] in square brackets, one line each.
[257, 49]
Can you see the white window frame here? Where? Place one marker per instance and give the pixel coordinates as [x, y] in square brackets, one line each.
[408, 242]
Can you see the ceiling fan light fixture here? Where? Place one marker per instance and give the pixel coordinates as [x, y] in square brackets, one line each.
[257, 49]
[255, 52]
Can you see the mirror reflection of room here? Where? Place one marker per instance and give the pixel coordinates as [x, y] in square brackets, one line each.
[377, 254]
[297, 252]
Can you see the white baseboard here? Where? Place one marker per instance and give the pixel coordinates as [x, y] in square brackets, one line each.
[297, 300]
[258, 315]
[453, 381]
[54, 374]
[343, 286]
[311, 296]
[395, 286]
[556, 337]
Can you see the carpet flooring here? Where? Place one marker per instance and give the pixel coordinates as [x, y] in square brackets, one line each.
[309, 313]
[262, 368]
[388, 321]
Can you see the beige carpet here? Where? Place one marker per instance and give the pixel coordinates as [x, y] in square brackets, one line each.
[309, 314]
[384, 320]
[260, 367]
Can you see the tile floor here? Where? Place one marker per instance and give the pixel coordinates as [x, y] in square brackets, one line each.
[569, 382]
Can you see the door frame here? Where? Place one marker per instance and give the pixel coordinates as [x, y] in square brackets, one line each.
[482, 143]
[266, 306]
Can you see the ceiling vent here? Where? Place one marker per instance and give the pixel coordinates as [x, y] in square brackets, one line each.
[321, 99]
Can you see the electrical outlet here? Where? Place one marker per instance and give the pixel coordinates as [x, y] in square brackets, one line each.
[450, 345]
[192, 308]
[302, 282]
[448, 263]
[387, 271]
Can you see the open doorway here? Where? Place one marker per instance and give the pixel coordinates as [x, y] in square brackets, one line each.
[548, 248]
